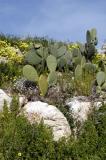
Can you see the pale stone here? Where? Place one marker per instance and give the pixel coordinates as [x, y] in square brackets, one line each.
[52, 117]
[4, 97]
[8, 99]
[79, 108]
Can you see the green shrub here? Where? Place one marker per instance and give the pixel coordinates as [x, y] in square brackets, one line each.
[19, 140]
[84, 85]
[9, 72]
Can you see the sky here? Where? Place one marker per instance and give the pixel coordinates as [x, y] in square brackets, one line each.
[65, 20]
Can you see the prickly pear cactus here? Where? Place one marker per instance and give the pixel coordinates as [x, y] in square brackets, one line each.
[76, 60]
[81, 47]
[51, 63]
[88, 37]
[30, 73]
[94, 36]
[78, 72]
[42, 52]
[57, 50]
[100, 77]
[61, 51]
[76, 52]
[91, 42]
[90, 68]
[43, 84]
[104, 86]
[83, 61]
[32, 58]
[52, 78]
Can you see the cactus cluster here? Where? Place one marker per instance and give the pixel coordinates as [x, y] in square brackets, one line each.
[88, 49]
[84, 67]
[101, 80]
[91, 42]
[39, 56]
[101, 76]
[47, 60]
[62, 54]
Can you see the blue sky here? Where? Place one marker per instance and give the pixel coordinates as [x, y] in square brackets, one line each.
[58, 19]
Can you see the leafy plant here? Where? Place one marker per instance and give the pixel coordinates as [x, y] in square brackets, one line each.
[21, 140]
[9, 72]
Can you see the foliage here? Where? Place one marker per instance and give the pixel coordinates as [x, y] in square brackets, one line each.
[84, 77]
[83, 85]
[23, 46]
[99, 57]
[9, 72]
[88, 49]
[21, 140]
[6, 50]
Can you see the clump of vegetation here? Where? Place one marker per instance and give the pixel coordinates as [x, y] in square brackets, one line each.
[6, 50]
[43, 60]
[59, 70]
[21, 140]
[9, 72]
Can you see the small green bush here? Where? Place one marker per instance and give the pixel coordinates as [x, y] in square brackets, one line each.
[9, 72]
[84, 85]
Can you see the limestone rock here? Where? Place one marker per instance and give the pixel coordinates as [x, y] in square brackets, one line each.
[79, 107]
[4, 96]
[35, 111]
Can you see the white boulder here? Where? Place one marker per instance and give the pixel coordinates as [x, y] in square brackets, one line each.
[79, 108]
[35, 111]
[4, 96]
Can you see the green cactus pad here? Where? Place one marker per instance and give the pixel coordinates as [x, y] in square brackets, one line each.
[81, 47]
[43, 84]
[100, 77]
[88, 37]
[104, 86]
[76, 52]
[83, 61]
[78, 72]
[61, 62]
[61, 51]
[53, 49]
[76, 60]
[89, 67]
[42, 52]
[52, 78]
[32, 58]
[93, 33]
[30, 73]
[51, 63]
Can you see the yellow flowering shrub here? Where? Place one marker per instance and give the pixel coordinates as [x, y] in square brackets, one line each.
[6, 50]
[3, 44]
[99, 57]
[23, 46]
[72, 46]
